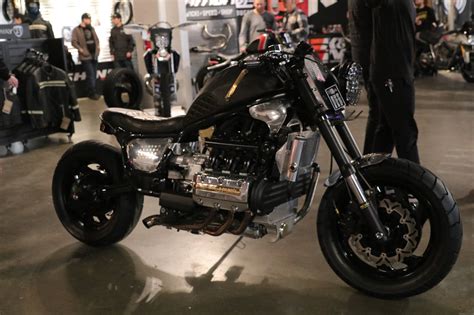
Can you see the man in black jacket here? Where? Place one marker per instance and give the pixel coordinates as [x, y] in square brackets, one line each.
[360, 27]
[39, 28]
[121, 44]
[392, 76]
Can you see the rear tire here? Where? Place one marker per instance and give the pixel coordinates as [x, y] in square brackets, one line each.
[414, 274]
[123, 88]
[87, 216]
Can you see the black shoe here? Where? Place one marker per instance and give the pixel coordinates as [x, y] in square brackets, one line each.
[94, 97]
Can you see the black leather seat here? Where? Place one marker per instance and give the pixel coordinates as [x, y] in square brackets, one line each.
[138, 122]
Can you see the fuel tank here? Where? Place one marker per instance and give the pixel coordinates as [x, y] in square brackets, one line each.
[216, 97]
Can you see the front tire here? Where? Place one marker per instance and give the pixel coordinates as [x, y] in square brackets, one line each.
[413, 203]
[86, 215]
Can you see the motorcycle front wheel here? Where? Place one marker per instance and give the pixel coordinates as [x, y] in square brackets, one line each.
[423, 227]
[91, 218]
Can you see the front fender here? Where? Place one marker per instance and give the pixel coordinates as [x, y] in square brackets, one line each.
[363, 162]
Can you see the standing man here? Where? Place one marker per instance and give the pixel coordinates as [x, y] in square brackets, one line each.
[392, 76]
[425, 16]
[252, 22]
[39, 28]
[360, 28]
[121, 44]
[295, 22]
[85, 40]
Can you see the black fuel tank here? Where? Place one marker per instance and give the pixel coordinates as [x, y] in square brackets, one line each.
[212, 98]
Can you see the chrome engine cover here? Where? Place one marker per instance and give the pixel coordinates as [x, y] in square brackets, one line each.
[222, 193]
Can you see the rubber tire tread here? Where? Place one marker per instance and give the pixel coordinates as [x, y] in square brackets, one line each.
[450, 214]
[110, 97]
[128, 210]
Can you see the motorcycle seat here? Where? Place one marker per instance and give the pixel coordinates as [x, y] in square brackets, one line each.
[139, 122]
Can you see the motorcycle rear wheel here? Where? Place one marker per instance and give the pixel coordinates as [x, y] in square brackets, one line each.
[422, 221]
[89, 217]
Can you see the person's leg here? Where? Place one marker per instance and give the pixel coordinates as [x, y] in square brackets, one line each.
[398, 106]
[128, 64]
[406, 137]
[117, 64]
[94, 77]
[373, 119]
[382, 141]
[88, 68]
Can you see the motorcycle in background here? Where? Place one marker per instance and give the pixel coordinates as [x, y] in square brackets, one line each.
[436, 51]
[162, 64]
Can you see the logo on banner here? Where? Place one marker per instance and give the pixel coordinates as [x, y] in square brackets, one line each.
[18, 31]
[460, 5]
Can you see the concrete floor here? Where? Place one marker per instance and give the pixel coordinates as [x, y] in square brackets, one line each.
[44, 271]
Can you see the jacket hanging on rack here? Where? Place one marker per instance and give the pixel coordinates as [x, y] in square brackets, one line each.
[48, 94]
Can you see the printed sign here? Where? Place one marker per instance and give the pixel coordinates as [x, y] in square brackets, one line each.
[330, 49]
[335, 97]
[210, 13]
[10, 31]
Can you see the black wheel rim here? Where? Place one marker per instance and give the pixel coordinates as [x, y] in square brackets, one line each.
[84, 205]
[427, 244]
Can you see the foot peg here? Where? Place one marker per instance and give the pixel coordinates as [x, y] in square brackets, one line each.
[152, 221]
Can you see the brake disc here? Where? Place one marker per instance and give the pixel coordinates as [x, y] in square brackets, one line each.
[407, 244]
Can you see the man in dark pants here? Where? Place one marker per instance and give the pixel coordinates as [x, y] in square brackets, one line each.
[392, 76]
[85, 40]
[360, 27]
[121, 44]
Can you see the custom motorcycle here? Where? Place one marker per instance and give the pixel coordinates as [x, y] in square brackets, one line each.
[437, 52]
[243, 161]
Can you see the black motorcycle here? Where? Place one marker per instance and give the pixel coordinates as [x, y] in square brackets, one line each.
[244, 161]
[435, 52]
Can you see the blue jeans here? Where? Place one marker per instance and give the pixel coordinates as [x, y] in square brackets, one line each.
[124, 63]
[90, 67]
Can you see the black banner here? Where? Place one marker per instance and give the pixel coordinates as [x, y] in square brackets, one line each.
[10, 31]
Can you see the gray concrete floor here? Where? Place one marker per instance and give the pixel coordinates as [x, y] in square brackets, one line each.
[44, 271]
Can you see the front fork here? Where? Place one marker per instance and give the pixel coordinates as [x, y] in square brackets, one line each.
[330, 134]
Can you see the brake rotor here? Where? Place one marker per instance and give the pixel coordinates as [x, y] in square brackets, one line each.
[403, 238]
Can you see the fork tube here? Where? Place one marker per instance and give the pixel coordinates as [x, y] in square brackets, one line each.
[348, 172]
[348, 140]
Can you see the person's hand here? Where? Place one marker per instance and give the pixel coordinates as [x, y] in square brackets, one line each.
[243, 49]
[13, 81]
[113, 57]
[129, 55]
[418, 21]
